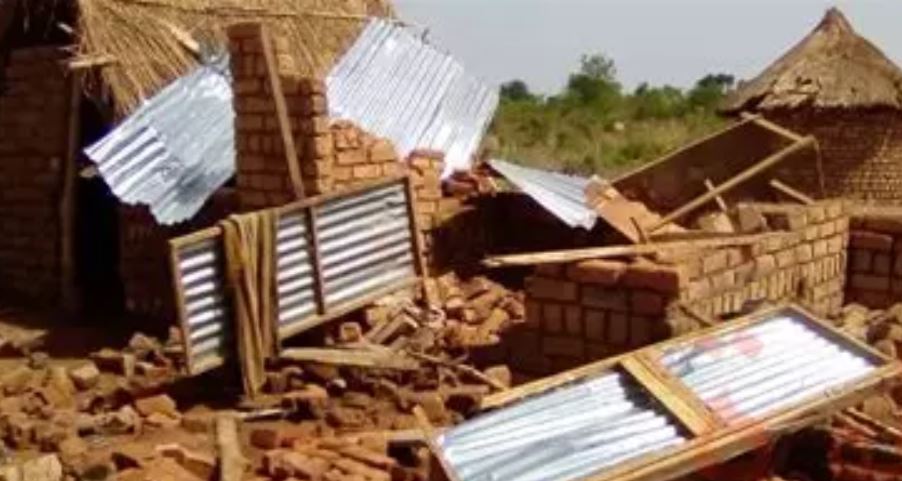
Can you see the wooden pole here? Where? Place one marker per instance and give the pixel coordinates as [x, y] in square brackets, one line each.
[630, 250]
[732, 183]
[790, 192]
[720, 202]
[275, 86]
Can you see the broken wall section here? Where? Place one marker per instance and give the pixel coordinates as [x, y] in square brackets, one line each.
[875, 259]
[332, 156]
[593, 309]
[33, 145]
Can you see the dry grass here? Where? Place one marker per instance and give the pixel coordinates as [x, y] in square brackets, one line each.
[138, 35]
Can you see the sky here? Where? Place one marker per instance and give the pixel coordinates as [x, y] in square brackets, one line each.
[671, 42]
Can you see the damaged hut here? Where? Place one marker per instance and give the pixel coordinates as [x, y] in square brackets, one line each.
[839, 87]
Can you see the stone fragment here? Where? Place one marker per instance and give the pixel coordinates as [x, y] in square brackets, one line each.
[85, 376]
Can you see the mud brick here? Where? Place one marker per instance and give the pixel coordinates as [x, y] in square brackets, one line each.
[569, 347]
[550, 270]
[819, 248]
[314, 105]
[811, 233]
[647, 275]
[724, 280]
[342, 173]
[743, 273]
[796, 220]
[804, 253]
[315, 126]
[350, 157]
[765, 264]
[882, 264]
[594, 324]
[870, 240]
[834, 210]
[646, 302]
[835, 244]
[785, 258]
[841, 224]
[600, 297]
[618, 328]
[366, 171]
[749, 219]
[714, 261]
[553, 317]
[817, 214]
[596, 272]
[319, 146]
[734, 257]
[698, 289]
[827, 229]
[573, 320]
[869, 282]
[382, 151]
[773, 244]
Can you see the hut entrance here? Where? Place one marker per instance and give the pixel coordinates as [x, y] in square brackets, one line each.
[96, 228]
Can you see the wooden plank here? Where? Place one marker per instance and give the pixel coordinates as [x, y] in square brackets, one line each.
[720, 202]
[673, 397]
[733, 182]
[341, 194]
[415, 241]
[431, 435]
[68, 291]
[767, 124]
[629, 250]
[316, 262]
[275, 87]
[232, 463]
[790, 192]
[348, 357]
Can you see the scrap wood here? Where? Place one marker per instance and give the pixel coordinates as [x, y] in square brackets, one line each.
[85, 62]
[721, 204]
[883, 428]
[462, 368]
[350, 357]
[573, 255]
[231, 462]
[790, 192]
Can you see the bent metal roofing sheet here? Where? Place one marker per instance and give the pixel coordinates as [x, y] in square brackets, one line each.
[395, 85]
[670, 409]
[176, 149]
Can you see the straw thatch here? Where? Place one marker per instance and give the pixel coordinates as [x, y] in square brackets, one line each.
[833, 67]
[144, 44]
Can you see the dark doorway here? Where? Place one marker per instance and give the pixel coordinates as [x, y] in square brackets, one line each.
[96, 228]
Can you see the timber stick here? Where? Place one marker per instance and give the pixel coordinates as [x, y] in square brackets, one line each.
[629, 250]
[790, 192]
[228, 445]
[275, 86]
[68, 292]
[462, 368]
[347, 357]
[720, 202]
[767, 124]
[640, 231]
[733, 182]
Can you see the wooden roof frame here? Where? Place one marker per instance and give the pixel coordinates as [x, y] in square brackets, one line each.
[711, 441]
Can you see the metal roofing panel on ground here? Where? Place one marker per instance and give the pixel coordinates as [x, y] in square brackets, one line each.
[397, 86]
[175, 150]
[756, 371]
[565, 434]
[562, 195]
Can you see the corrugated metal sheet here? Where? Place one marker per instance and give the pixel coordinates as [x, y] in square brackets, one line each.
[205, 310]
[566, 434]
[177, 149]
[755, 371]
[395, 85]
[364, 246]
[562, 195]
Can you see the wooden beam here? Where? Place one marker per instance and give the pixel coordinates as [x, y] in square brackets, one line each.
[232, 463]
[82, 63]
[348, 357]
[275, 87]
[767, 124]
[629, 250]
[720, 202]
[790, 192]
[67, 207]
[733, 182]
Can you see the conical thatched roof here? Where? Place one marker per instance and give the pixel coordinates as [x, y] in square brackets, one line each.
[833, 67]
[145, 39]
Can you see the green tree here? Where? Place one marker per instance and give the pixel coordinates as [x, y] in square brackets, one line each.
[516, 91]
[595, 84]
[710, 90]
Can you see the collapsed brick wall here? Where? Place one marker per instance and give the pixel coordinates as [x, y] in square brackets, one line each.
[861, 152]
[33, 144]
[331, 156]
[593, 309]
[875, 261]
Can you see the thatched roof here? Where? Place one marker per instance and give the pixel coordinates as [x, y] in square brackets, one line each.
[144, 40]
[833, 67]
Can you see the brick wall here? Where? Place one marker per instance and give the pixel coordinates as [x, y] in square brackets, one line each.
[875, 261]
[593, 309]
[331, 156]
[861, 151]
[33, 131]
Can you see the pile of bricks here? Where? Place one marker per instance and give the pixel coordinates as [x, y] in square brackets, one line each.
[875, 261]
[593, 309]
[33, 117]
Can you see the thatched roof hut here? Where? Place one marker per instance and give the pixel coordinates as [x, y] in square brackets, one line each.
[138, 46]
[840, 88]
[832, 67]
